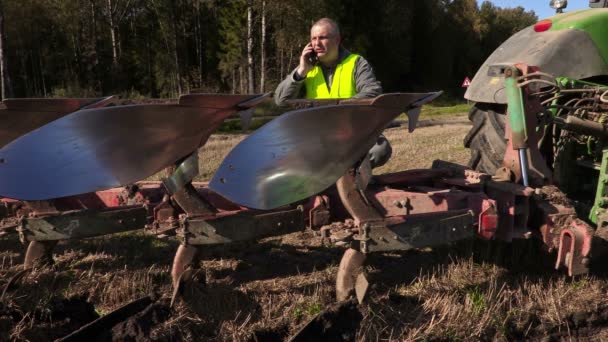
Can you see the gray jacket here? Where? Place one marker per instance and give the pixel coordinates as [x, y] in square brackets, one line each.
[292, 86]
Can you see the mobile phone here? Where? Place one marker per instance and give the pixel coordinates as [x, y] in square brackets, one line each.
[312, 58]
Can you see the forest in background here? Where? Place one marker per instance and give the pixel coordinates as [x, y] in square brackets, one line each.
[163, 48]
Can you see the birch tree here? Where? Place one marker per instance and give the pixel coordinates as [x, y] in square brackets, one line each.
[263, 48]
[250, 84]
[7, 90]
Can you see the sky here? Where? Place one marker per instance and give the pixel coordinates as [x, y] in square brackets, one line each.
[540, 7]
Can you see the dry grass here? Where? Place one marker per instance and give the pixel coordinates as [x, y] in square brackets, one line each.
[270, 289]
[437, 138]
[214, 151]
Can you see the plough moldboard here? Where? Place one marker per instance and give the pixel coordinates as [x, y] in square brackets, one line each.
[78, 177]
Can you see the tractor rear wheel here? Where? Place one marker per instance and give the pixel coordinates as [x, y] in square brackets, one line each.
[486, 139]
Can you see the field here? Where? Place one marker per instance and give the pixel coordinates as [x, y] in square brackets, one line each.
[267, 291]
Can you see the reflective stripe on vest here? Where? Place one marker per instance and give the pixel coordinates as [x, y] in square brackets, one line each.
[342, 85]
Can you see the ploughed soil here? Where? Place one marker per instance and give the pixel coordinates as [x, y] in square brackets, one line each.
[283, 287]
[278, 287]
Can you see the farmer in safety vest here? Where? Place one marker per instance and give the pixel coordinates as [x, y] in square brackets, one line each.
[329, 71]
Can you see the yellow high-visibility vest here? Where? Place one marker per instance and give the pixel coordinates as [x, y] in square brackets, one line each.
[342, 85]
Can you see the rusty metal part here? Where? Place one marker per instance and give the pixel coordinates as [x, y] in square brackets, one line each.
[92, 330]
[459, 176]
[350, 267]
[165, 218]
[94, 149]
[130, 196]
[552, 212]
[39, 253]
[191, 202]
[350, 275]
[240, 226]
[361, 287]
[84, 223]
[40, 208]
[354, 200]
[280, 164]
[488, 220]
[575, 248]
[424, 230]
[183, 279]
[24, 115]
[401, 220]
[9, 216]
[396, 202]
[513, 208]
[338, 234]
[550, 215]
[319, 215]
[185, 260]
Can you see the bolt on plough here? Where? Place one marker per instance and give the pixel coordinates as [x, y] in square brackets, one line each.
[79, 175]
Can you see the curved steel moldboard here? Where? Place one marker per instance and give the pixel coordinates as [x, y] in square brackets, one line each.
[24, 115]
[95, 149]
[303, 152]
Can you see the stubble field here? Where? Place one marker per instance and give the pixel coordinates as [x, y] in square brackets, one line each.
[267, 291]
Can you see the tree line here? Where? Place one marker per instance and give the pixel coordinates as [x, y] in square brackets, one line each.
[163, 48]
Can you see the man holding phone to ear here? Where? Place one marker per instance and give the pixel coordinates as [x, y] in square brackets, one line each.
[328, 71]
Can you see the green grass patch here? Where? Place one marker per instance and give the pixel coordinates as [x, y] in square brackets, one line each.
[234, 125]
[477, 300]
[310, 309]
[269, 112]
[430, 110]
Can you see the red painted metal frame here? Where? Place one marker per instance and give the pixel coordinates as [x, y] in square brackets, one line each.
[575, 248]
[525, 210]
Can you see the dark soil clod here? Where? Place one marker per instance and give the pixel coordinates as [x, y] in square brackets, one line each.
[339, 322]
[138, 327]
[95, 329]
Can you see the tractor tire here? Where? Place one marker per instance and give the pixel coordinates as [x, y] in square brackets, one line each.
[486, 139]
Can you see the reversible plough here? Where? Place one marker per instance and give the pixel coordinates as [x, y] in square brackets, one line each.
[75, 173]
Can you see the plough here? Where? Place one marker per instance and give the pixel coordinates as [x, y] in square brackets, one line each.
[77, 177]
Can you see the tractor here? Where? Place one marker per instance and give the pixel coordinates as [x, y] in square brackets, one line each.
[565, 107]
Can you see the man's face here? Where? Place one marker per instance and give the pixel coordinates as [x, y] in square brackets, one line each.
[324, 42]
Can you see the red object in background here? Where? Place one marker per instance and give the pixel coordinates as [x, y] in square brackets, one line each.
[543, 25]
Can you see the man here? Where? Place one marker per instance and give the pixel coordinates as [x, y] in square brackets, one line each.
[327, 70]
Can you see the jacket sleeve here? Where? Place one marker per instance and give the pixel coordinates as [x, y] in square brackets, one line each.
[290, 88]
[365, 81]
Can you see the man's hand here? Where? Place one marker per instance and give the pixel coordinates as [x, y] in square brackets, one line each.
[305, 65]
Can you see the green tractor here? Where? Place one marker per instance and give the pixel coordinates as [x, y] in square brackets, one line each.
[571, 50]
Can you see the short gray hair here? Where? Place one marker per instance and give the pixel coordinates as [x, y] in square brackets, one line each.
[335, 29]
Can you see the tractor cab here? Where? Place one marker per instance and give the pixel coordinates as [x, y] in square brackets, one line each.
[593, 3]
[559, 5]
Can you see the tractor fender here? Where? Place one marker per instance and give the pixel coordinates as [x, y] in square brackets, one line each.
[567, 52]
